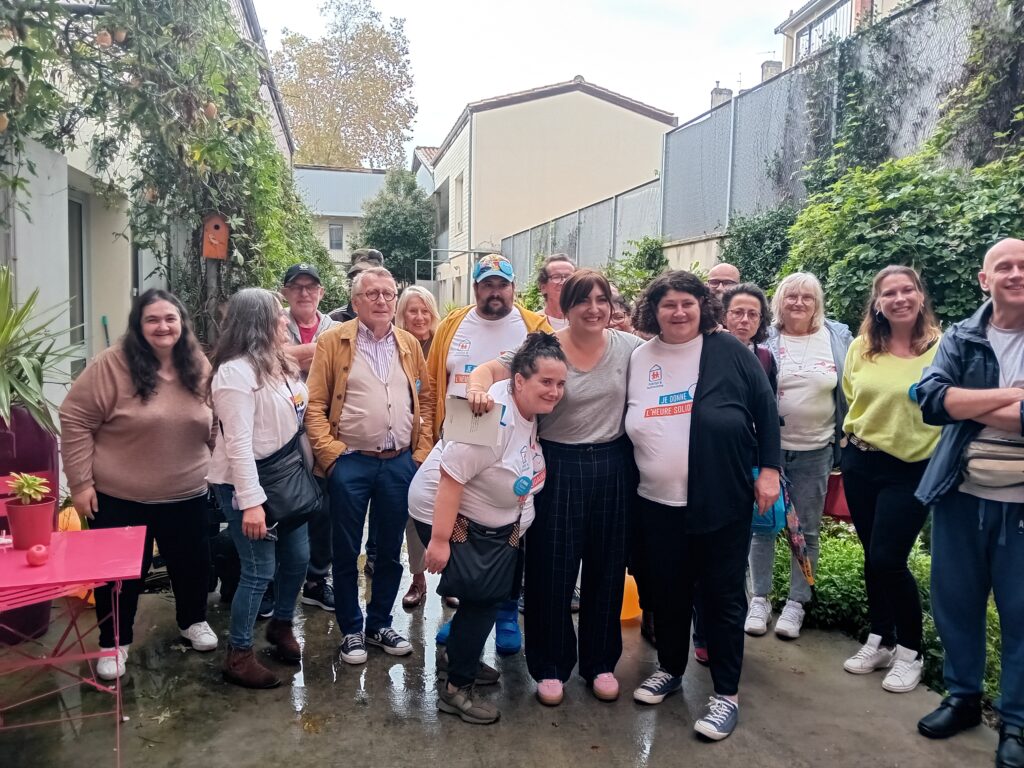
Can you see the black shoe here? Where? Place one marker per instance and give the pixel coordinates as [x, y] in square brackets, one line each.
[267, 604]
[1011, 747]
[955, 714]
[318, 593]
[368, 567]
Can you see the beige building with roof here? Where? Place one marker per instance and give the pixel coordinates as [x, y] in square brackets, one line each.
[514, 160]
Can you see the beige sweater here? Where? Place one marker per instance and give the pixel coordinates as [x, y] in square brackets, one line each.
[153, 451]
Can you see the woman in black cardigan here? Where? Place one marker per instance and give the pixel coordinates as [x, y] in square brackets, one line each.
[701, 414]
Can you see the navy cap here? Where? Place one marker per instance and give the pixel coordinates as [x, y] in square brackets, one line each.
[301, 269]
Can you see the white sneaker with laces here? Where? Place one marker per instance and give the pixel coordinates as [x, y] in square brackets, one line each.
[871, 656]
[202, 637]
[790, 620]
[112, 667]
[906, 671]
[758, 617]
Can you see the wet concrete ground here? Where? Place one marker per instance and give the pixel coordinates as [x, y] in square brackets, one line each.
[798, 708]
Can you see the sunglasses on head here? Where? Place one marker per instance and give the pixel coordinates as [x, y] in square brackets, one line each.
[486, 265]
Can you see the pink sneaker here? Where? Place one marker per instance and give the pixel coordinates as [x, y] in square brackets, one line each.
[606, 687]
[549, 692]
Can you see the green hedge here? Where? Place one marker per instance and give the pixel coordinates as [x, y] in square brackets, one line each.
[840, 601]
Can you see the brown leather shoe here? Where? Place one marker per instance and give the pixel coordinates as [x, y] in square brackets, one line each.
[280, 635]
[417, 591]
[242, 668]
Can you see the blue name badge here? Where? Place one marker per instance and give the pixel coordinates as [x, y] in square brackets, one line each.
[522, 485]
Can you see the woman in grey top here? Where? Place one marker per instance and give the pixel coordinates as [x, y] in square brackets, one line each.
[582, 510]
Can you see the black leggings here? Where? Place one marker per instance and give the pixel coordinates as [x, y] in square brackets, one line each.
[471, 625]
[181, 531]
[880, 493]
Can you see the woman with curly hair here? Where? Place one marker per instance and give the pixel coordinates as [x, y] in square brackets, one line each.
[700, 413]
[136, 436]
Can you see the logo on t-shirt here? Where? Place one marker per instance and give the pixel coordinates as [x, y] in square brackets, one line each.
[463, 378]
[676, 404]
[462, 346]
[655, 377]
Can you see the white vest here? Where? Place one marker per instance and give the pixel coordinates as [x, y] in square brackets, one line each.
[374, 409]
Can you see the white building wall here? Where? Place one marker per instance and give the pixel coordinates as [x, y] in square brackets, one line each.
[453, 162]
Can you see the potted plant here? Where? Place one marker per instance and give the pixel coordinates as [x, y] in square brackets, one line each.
[30, 510]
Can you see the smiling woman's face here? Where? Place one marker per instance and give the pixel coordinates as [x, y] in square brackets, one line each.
[161, 325]
[678, 317]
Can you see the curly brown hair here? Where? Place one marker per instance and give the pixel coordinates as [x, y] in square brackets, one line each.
[645, 314]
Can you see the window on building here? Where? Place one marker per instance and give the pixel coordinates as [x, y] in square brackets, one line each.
[835, 24]
[336, 235]
[458, 203]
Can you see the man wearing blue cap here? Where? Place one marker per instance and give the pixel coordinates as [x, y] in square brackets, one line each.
[469, 337]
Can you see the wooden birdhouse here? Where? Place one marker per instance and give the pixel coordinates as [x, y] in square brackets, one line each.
[215, 236]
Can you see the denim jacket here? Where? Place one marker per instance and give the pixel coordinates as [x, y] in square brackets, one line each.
[840, 338]
[964, 359]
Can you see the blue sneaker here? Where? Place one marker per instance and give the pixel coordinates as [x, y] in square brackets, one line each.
[655, 688]
[441, 638]
[508, 639]
[719, 719]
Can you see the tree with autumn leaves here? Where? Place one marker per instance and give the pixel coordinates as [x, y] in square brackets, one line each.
[348, 94]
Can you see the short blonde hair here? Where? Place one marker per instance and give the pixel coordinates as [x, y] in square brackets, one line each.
[417, 292]
[795, 282]
[370, 272]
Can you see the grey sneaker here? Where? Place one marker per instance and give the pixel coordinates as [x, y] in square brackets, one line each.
[485, 673]
[390, 641]
[464, 703]
[719, 720]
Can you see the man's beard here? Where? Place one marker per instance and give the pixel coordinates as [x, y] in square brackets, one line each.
[494, 313]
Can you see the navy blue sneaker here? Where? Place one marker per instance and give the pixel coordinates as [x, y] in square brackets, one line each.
[719, 719]
[508, 638]
[655, 688]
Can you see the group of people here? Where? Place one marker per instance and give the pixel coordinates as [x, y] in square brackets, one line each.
[648, 437]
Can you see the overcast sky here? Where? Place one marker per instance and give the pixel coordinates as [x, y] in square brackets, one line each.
[666, 53]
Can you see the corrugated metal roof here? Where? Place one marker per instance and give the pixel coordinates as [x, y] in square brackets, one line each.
[337, 191]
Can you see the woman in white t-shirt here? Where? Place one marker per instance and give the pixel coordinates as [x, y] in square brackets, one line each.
[701, 415]
[810, 351]
[260, 399]
[493, 487]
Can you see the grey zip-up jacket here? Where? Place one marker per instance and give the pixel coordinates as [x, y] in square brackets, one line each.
[840, 338]
[293, 327]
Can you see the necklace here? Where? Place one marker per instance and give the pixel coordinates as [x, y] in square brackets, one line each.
[798, 365]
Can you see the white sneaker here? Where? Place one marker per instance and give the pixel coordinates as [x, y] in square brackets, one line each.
[202, 637]
[871, 656]
[906, 671]
[112, 667]
[790, 620]
[758, 616]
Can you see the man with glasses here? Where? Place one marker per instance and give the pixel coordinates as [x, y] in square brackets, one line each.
[303, 291]
[721, 278]
[370, 418]
[556, 269]
[469, 337]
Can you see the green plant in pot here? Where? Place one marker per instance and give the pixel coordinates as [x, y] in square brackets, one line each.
[30, 510]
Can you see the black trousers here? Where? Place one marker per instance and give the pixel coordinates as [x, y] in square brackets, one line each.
[581, 515]
[320, 535]
[880, 493]
[471, 625]
[675, 561]
[180, 530]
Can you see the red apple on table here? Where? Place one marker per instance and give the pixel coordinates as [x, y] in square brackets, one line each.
[37, 555]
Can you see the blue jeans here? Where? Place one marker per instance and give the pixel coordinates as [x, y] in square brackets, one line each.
[808, 473]
[284, 561]
[355, 482]
[977, 548]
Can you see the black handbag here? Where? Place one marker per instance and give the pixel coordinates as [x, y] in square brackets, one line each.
[293, 495]
[484, 565]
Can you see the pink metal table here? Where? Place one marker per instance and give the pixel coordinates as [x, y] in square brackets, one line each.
[78, 560]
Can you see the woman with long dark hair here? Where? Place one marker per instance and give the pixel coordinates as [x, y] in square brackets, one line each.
[887, 449]
[260, 401]
[136, 436]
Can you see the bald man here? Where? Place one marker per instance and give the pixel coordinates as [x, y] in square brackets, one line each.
[974, 389]
[722, 277]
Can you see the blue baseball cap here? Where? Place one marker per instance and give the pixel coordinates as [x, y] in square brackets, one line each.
[493, 265]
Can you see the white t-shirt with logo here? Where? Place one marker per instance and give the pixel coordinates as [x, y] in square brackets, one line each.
[659, 405]
[478, 340]
[807, 380]
[557, 323]
[497, 480]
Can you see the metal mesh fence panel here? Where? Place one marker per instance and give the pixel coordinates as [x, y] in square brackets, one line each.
[637, 215]
[696, 170]
[565, 234]
[594, 246]
[520, 256]
[540, 240]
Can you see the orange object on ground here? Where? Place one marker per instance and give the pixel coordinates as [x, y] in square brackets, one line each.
[630, 600]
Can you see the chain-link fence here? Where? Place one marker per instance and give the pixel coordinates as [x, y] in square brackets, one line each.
[594, 235]
[748, 154]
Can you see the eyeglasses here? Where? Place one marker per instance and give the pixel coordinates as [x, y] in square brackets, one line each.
[716, 282]
[739, 314]
[374, 295]
[618, 316]
[557, 278]
[799, 298]
[309, 288]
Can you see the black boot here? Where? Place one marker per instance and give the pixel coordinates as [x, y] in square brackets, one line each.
[1011, 747]
[955, 714]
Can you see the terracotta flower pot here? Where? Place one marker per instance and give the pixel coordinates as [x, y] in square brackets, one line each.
[31, 524]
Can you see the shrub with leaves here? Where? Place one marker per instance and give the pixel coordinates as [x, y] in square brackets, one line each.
[758, 245]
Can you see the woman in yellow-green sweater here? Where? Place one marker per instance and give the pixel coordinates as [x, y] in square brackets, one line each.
[886, 450]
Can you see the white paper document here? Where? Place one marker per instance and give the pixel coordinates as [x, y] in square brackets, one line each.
[462, 426]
